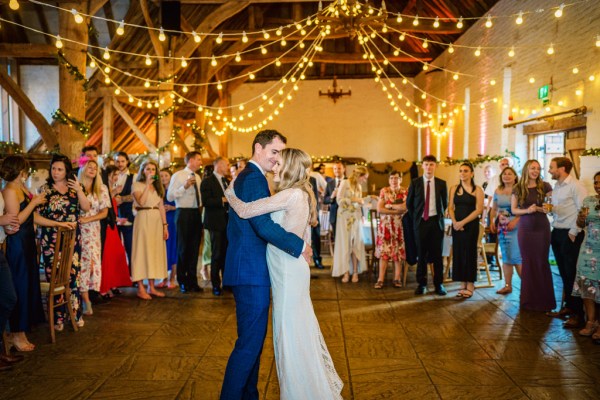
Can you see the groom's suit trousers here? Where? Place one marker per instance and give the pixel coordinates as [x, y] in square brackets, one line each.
[252, 312]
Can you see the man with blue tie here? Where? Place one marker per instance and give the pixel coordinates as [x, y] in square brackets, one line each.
[427, 202]
[246, 269]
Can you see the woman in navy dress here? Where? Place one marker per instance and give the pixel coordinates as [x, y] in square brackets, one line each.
[537, 290]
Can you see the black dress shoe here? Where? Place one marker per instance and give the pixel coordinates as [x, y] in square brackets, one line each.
[217, 292]
[11, 359]
[440, 290]
[318, 265]
[183, 289]
[421, 289]
[196, 289]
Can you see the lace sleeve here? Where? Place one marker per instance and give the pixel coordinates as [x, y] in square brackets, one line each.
[277, 202]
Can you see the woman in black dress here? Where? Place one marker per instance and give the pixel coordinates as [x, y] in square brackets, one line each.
[465, 207]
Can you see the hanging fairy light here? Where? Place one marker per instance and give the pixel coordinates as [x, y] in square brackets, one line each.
[196, 37]
[121, 28]
[213, 61]
[436, 23]
[266, 34]
[148, 60]
[416, 21]
[575, 70]
[184, 63]
[107, 70]
[559, 12]
[450, 49]
[219, 85]
[58, 43]
[244, 37]
[147, 83]
[76, 16]
[460, 24]
[511, 52]
[519, 19]
[161, 34]
[488, 22]
[550, 50]
[92, 64]
[106, 54]
[14, 5]
[598, 41]
[238, 58]
[478, 51]
[219, 38]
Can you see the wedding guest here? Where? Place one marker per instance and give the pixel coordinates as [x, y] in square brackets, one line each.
[89, 222]
[427, 200]
[21, 251]
[122, 194]
[115, 270]
[505, 225]
[331, 193]
[390, 236]
[65, 200]
[349, 254]
[184, 189]
[150, 231]
[505, 162]
[566, 237]
[169, 283]
[216, 209]
[206, 245]
[315, 231]
[465, 207]
[241, 164]
[587, 281]
[8, 297]
[233, 171]
[537, 290]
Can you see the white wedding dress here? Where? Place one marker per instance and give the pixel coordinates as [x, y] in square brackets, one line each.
[304, 367]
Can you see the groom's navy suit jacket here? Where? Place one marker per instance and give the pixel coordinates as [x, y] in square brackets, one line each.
[246, 261]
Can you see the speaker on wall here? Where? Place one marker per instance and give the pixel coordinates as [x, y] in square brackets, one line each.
[170, 15]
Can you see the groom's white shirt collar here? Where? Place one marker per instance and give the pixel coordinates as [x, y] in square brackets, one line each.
[258, 166]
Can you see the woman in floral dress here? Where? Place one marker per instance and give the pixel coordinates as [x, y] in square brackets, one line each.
[91, 242]
[587, 278]
[390, 238]
[65, 201]
[349, 254]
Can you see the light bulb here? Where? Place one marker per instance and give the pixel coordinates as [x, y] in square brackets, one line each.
[519, 19]
[478, 51]
[450, 49]
[241, 107]
[92, 64]
[455, 76]
[263, 50]
[598, 41]
[14, 5]
[244, 37]
[416, 20]
[251, 76]
[579, 92]
[399, 18]
[149, 105]
[213, 61]
[148, 60]
[301, 45]
[425, 44]
[425, 66]
[219, 38]
[147, 84]
[532, 80]
[575, 70]
[107, 70]
[550, 50]
[482, 105]
[106, 54]
[592, 78]
[238, 58]
[492, 82]
[495, 99]
[121, 28]
[559, 12]
[402, 37]
[117, 91]
[278, 62]
[283, 43]
[184, 63]
[460, 24]
[561, 103]
[404, 81]
[511, 52]
[196, 37]
[161, 34]
[184, 89]
[130, 99]
[59, 43]
[266, 34]
[436, 23]
[488, 22]
[424, 96]
[106, 80]
[384, 29]
[279, 30]
[139, 103]
[219, 86]
[78, 18]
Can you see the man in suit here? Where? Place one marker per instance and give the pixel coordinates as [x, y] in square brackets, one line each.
[427, 201]
[246, 269]
[184, 190]
[216, 209]
[315, 231]
[124, 200]
[331, 193]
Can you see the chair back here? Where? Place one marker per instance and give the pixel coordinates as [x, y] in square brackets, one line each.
[63, 259]
[324, 221]
[374, 222]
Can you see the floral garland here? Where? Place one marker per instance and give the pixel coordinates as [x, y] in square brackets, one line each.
[164, 113]
[10, 147]
[66, 119]
[73, 70]
[199, 136]
[594, 151]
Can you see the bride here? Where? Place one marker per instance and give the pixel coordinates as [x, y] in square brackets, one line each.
[304, 367]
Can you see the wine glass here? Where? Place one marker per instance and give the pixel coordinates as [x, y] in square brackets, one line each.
[547, 205]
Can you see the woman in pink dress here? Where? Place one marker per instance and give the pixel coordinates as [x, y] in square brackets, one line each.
[115, 271]
[390, 238]
[91, 243]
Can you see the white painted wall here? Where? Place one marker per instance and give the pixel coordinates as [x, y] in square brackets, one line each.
[40, 83]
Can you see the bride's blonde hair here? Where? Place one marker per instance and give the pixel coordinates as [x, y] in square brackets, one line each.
[359, 171]
[294, 173]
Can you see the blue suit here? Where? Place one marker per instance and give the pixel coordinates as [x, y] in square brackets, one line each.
[247, 274]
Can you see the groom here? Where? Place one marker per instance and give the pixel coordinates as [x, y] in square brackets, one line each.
[246, 267]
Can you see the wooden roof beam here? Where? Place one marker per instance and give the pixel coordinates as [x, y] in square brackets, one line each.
[324, 57]
[27, 50]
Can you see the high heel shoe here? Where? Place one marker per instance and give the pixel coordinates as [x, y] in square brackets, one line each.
[590, 328]
[19, 345]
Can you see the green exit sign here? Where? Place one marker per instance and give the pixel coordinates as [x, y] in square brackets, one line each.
[544, 92]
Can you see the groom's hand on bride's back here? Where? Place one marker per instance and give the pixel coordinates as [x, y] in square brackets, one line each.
[307, 253]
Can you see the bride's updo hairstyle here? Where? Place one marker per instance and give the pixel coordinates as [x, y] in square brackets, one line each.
[357, 173]
[294, 173]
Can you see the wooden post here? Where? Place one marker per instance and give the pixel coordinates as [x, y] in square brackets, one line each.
[165, 125]
[107, 125]
[71, 93]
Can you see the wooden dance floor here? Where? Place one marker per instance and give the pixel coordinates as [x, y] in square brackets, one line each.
[386, 344]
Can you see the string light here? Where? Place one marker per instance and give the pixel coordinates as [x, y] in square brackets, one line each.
[184, 63]
[266, 34]
[219, 38]
[117, 91]
[184, 89]
[238, 58]
[121, 28]
[196, 37]
[106, 80]
[425, 43]
[147, 84]
[578, 92]
[460, 24]
[532, 80]
[213, 61]
[436, 23]
[592, 78]
[478, 51]
[519, 19]
[402, 37]
[219, 86]
[161, 35]
[488, 22]
[59, 43]
[455, 77]
[598, 41]
[244, 37]
[550, 50]
[575, 70]
[263, 50]
[493, 82]
[278, 63]
[130, 99]
[283, 43]
[106, 54]
[450, 49]
[559, 12]
[399, 19]
[279, 31]
[78, 18]
[511, 52]
[148, 60]
[92, 64]
[14, 5]
[416, 21]
[107, 70]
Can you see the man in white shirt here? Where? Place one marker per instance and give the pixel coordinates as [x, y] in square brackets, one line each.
[566, 239]
[184, 189]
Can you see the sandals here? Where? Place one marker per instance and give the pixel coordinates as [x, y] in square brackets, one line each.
[505, 290]
[465, 293]
[397, 283]
[590, 329]
[378, 285]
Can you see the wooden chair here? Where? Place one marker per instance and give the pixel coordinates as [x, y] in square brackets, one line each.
[60, 277]
[482, 262]
[493, 249]
[326, 234]
[372, 261]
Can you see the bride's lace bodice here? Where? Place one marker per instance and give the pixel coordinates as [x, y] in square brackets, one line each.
[292, 202]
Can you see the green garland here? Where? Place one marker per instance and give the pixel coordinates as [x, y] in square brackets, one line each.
[66, 119]
[171, 140]
[480, 159]
[199, 136]
[164, 113]
[7, 148]
[594, 151]
[388, 167]
[73, 70]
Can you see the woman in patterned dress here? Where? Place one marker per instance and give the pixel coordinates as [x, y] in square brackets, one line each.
[587, 278]
[91, 243]
[65, 201]
[390, 238]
